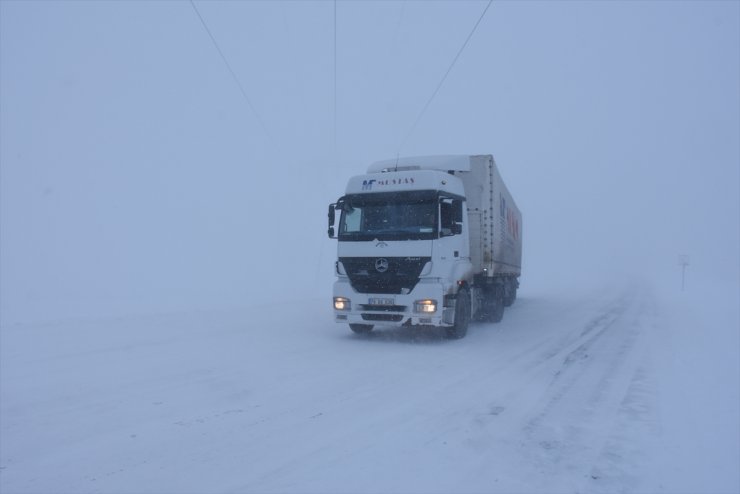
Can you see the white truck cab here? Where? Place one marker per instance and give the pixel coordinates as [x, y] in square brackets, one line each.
[415, 245]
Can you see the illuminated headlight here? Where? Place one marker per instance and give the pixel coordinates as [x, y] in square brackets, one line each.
[342, 303]
[426, 305]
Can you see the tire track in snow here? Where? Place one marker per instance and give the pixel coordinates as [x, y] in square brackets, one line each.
[545, 357]
[556, 419]
[618, 465]
[569, 429]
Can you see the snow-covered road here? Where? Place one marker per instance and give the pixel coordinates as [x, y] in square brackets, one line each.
[617, 391]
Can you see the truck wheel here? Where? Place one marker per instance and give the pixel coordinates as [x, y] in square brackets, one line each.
[361, 328]
[462, 316]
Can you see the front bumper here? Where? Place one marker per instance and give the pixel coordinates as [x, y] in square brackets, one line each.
[394, 309]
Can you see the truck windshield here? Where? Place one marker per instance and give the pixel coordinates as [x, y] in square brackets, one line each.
[389, 216]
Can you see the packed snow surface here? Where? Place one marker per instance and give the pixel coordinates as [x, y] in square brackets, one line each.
[618, 391]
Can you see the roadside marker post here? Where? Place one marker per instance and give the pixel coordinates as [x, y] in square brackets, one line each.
[683, 261]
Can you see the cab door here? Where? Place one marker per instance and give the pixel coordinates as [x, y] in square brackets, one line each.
[453, 250]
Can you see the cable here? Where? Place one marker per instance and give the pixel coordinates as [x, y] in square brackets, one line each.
[335, 80]
[449, 69]
[231, 71]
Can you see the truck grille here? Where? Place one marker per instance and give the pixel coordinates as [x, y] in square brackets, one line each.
[383, 308]
[382, 317]
[400, 276]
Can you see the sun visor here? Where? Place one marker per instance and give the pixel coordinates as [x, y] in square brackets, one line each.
[408, 180]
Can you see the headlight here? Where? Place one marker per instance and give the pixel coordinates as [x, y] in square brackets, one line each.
[342, 303]
[426, 305]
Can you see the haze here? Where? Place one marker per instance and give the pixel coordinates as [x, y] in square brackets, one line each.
[166, 277]
[137, 179]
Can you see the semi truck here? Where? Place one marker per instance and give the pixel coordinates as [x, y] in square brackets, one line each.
[426, 241]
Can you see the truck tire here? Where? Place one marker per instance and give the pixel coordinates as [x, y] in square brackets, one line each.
[462, 316]
[361, 328]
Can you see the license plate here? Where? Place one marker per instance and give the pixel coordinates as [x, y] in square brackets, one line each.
[381, 301]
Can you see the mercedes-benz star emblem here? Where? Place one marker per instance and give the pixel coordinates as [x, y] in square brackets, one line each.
[381, 265]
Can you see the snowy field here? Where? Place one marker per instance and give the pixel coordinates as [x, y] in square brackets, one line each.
[622, 390]
[164, 161]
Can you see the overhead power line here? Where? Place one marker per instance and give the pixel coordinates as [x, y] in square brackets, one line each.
[449, 69]
[335, 79]
[231, 71]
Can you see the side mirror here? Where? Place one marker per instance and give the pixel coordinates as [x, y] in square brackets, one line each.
[456, 228]
[332, 218]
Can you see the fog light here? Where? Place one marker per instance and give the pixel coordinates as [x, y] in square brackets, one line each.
[342, 303]
[426, 305]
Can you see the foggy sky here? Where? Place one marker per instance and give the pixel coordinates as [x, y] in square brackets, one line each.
[135, 178]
